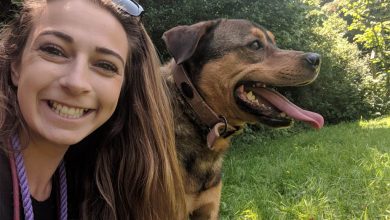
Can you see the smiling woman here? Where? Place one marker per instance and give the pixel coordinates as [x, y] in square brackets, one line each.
[84, 118]
[79, 79]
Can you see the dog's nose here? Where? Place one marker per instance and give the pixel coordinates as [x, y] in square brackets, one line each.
[313, 59]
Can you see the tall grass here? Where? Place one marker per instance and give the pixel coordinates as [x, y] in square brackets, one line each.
[339, 172]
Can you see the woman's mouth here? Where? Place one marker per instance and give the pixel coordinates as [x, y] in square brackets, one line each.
[67, 111]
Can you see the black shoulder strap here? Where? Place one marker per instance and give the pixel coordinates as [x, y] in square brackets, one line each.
[6, 198]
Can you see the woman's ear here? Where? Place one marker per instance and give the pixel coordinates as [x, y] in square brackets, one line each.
[15, 73]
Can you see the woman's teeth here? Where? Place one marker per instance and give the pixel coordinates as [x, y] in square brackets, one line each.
[67, 111]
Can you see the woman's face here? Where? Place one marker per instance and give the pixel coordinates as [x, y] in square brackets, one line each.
[71, 71]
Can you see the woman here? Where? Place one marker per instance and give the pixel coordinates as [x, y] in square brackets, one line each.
[80, 86]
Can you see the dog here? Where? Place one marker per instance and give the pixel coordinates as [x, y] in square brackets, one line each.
[223, 75]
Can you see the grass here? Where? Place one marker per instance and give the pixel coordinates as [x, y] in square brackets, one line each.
[339, 172]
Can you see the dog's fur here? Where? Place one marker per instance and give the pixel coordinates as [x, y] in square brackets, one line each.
[218, 56]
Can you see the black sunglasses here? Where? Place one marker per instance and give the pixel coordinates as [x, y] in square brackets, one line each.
[130, 6]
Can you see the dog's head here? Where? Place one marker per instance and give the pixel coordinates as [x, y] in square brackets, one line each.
[236, 67]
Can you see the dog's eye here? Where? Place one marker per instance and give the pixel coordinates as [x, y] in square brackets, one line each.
[256, 45]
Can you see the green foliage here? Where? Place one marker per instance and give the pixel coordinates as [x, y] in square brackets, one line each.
[371, 18]
[345, 89]
[370, 27]
[339, 172]
[290, 18]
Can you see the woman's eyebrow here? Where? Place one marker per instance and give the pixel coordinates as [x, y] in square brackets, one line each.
[69, 39]
[58, 34]
[110, 52]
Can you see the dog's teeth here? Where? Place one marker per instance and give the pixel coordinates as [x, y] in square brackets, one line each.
[283, 114]
[250, 96]
[260, 85]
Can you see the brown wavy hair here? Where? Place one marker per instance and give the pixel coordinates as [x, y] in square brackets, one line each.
[127, 168]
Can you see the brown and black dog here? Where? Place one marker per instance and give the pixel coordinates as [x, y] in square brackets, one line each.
[224, 77]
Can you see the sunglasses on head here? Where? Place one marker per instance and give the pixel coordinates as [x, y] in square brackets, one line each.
[129, 6]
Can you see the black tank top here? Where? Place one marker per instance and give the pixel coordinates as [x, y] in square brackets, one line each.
[45, 210]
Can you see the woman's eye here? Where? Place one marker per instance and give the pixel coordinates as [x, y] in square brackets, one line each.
[52, 50]
[255, 45]
[107, 66]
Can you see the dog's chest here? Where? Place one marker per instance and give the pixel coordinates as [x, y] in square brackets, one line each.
[201, 166]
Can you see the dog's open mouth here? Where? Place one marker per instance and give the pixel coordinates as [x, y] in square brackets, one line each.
[271, 107]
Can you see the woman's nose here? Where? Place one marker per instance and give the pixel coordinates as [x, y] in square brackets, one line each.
[75, 79]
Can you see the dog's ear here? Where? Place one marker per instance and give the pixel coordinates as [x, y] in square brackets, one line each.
[181, 41]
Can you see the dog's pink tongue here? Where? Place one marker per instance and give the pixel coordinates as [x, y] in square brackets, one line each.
[283, 104]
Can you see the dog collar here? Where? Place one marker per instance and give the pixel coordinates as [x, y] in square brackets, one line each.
[217, 124]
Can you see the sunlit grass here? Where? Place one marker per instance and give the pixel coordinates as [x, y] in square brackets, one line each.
[248, 214]
[377, 123]
[339, 172]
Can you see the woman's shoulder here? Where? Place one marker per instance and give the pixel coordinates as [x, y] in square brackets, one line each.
[6, 198]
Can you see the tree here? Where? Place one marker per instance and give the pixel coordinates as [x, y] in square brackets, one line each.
[369, 20]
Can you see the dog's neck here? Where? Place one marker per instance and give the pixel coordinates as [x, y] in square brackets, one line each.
[197, 110]
[203, 111]
[189, 112]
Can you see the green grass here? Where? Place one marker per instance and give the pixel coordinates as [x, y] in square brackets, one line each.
[339, 172]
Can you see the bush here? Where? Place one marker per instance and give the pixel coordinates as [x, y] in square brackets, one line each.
[282, 17]
[346, 89]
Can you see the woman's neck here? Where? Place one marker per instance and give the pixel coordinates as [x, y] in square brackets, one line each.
[41, 160]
